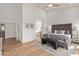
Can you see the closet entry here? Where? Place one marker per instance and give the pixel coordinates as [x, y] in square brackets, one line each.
[2, 37]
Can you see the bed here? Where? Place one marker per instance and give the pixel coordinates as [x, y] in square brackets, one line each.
[61, 35]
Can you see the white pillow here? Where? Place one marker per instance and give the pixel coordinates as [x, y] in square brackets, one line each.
[56, 31]
[60, 31]
[67, 32]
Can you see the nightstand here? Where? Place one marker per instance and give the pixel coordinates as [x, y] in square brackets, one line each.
[44, 40]
[75, 40]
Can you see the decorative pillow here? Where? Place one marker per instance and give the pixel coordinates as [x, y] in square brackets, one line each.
[67, 32]
[56, 31]
[61, 31]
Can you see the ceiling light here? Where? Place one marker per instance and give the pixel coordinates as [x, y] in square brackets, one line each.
[50, 5]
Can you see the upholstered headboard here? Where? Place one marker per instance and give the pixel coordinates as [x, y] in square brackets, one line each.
[66, 27]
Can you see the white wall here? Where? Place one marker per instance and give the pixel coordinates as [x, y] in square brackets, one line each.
[10, 30]
[44, 19]
[64, 15]
[15, 16]
[19, 22]
[9, 14]
[30, 14]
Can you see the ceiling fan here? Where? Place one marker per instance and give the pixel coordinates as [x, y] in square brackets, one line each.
[51, 5]
[55, 5]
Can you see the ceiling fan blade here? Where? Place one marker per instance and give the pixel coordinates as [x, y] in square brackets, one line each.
[56, 5]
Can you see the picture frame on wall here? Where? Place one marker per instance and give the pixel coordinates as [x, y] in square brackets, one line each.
[29, 26]
[32, 26]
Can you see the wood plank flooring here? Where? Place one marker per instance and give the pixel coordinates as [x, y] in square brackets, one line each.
[14, 48]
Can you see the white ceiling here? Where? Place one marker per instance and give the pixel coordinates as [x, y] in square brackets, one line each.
[62, 5]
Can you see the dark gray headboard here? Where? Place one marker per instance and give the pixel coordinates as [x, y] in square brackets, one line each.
[65, 27]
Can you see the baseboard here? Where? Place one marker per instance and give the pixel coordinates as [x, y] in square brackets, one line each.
[28, 42]
[20, 41]
[11, 38]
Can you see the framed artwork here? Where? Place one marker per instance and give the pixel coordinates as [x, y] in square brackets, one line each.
[29, 26]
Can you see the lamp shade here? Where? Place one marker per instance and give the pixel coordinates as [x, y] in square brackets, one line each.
[78, 28]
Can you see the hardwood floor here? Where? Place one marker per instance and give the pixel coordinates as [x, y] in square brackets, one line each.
[14, 48]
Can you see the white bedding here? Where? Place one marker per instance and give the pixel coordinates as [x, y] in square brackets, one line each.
[68, 35]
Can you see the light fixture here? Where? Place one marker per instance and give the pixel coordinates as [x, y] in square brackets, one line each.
[50, 5]
[53, 5]
[78, 28]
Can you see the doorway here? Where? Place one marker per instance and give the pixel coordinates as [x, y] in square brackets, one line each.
[9, 40]
[38, 29]
[2, 37]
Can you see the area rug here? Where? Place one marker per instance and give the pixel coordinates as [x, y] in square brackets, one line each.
[57, 52]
